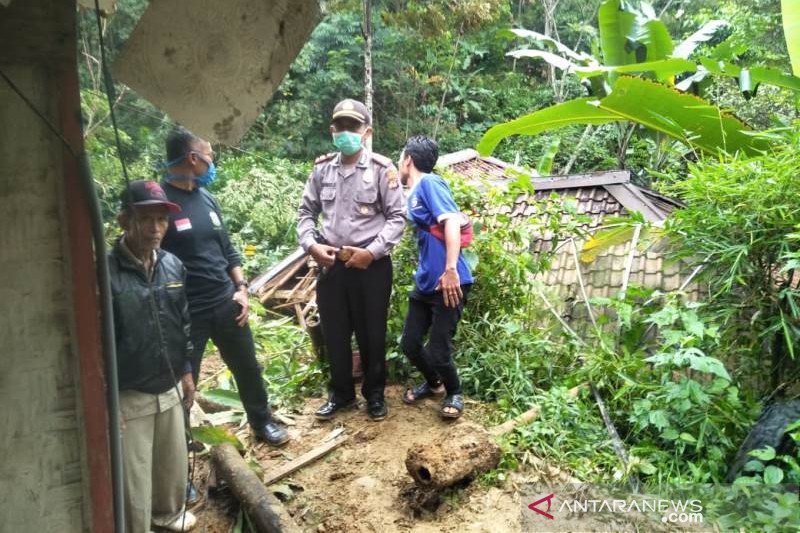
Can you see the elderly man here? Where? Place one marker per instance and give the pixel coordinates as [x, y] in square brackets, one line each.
[215, 284]
[358, 195]
[151, 321]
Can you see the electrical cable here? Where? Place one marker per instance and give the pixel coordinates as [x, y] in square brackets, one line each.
[39, 114]
[110, 93]
[106, 309]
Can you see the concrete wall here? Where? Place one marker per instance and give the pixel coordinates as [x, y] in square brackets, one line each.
[43, 477]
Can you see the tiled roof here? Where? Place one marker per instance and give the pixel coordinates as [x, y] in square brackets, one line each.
[599, 195]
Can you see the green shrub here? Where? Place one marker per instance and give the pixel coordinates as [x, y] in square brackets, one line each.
[259, 197]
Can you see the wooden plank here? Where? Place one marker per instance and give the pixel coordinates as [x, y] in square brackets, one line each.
[300, 318]
[582, 180]
[632, 200]
[268, 277]
[305, 459]
[283, 279]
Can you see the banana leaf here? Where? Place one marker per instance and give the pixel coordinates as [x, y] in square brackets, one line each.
[545, 166]
[685, 117]
[688, 45]
[791, 31]
[656, 38]
[663, 69]
[616, 27]
[549, 41]
[757, 75]
[576, 111]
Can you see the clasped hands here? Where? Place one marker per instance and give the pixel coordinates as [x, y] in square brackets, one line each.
[353, 256]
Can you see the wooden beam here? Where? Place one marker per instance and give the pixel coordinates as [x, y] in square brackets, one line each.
[582, 180]
[305, 459]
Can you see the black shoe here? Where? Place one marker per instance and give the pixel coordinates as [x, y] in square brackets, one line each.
[377, 410]
[329, 408]
[271, 433]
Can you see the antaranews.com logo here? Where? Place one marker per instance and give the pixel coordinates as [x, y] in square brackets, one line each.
[692, 508]
[671, 511]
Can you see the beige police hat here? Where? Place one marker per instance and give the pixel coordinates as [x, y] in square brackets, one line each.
[352, 109]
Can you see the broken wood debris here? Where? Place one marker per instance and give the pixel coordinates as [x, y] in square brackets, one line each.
[305, 459]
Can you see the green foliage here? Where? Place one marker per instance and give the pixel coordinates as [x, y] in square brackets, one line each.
[674, 400]
[740, 223]
[260, 196]
[635, 40]
[291, 371]
[769, 468]
[765, 470]
[212, 435]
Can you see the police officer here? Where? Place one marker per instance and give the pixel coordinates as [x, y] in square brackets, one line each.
[359, 196]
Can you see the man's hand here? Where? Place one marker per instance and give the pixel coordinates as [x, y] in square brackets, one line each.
[450, 285]
[187, 383]
[323, 254]
[241, 298]
[361, 257]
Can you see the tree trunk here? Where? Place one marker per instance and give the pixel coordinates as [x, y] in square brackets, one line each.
[461, 452]
[244, 483]
[367, 31]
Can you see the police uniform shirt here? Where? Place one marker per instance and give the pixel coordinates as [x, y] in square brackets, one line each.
[362, 208]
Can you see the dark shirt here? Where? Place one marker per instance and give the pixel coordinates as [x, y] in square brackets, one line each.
[151, 321]
[198, 237]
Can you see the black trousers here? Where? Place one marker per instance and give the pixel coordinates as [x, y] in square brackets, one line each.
[239, 353]
[350, 301]
[428, 312]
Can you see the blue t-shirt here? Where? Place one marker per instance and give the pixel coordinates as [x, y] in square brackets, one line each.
[429, 203]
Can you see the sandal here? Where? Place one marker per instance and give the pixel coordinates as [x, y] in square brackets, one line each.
[454, 401]
[421, 391]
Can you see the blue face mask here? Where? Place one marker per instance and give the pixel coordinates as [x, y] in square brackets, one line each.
[347, 142]
[208, 178]
[201, 181]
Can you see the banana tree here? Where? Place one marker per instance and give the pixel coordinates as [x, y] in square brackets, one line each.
[634, 41]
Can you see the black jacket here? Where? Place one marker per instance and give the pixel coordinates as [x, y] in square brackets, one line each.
[151, 322]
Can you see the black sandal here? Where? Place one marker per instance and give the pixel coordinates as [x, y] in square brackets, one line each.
[421, 391]
[454, 401]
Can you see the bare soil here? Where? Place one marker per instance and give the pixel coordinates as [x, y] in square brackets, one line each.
[363, 485]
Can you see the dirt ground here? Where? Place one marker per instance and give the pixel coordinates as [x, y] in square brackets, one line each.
[360, 486]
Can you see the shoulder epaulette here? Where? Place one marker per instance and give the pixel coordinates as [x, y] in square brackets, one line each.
[324, 158]
[382, 160]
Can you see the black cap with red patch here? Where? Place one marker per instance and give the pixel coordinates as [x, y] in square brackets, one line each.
[142, 193]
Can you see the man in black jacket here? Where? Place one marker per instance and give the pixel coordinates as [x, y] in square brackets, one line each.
[215, 284]
[151, 321]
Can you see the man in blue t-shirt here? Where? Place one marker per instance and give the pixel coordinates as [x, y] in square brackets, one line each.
[442, 280]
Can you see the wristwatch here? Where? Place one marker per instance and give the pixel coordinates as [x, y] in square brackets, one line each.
[242, 283]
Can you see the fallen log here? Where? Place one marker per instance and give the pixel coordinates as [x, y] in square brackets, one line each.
[261, 506]
[462, 452]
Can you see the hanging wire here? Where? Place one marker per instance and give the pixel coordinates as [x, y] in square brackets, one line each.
[110, 93]
[38, 113]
